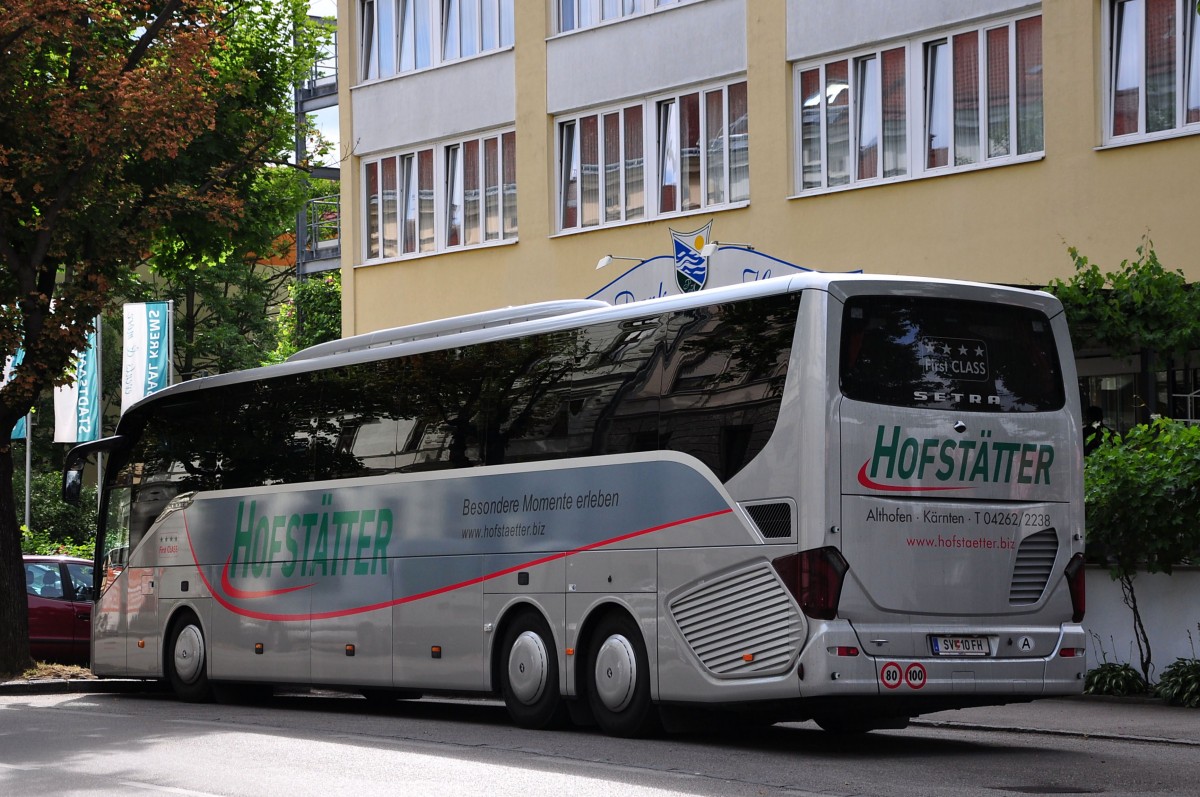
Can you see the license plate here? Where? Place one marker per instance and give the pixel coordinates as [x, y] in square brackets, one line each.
[960, 645]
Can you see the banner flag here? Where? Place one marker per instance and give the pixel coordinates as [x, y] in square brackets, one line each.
[77, 405]
[146, 362]
[10, 365]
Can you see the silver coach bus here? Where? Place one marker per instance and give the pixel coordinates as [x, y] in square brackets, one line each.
[845, 498]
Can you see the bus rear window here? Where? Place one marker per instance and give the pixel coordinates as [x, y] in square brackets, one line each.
[949, 354]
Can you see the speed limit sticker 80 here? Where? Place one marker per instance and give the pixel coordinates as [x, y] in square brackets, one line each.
[892, 675]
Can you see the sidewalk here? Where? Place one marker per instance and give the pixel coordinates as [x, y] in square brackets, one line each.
[1142, 719]
[1136, 719]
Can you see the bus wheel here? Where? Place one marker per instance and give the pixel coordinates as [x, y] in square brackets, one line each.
[529, 674]
[619, 686]
[187, 667]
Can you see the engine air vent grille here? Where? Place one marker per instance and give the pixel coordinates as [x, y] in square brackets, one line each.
[1033, 566]
[741, 624]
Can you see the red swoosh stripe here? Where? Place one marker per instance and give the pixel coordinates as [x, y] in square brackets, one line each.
[234, 592]
[865, 481]
[257, 615]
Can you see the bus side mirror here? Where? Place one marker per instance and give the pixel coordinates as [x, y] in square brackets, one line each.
[72, 486]
[76, 460]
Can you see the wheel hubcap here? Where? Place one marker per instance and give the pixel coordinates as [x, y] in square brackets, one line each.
[527, 667]
[616, 672]
[189, 654]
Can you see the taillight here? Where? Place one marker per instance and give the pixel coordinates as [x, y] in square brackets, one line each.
[815, 580]
[1076, 583]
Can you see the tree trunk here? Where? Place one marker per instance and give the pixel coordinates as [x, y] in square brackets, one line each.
[1140, 636]
[1149, 384]
[14, 609]
[189, 334]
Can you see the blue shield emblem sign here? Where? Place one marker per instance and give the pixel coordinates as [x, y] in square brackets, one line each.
[691, 268]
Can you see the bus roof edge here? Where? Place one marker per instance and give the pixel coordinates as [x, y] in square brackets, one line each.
[448, 326]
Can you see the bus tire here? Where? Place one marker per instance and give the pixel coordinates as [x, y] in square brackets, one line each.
[529, 674]
[187, 660]
[618, 679]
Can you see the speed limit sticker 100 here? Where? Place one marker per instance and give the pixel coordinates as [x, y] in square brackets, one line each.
[891, 675]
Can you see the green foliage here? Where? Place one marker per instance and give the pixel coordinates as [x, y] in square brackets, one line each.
[1142, 496]
[1116, 680]
[312, 314]
[145, 117]
[1180, 683]
[222, 302]
[1140, 306]
[56, 527]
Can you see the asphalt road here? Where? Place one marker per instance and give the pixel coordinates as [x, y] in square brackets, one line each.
[330, 744]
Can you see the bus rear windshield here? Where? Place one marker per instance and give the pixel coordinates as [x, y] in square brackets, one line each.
[949, 354]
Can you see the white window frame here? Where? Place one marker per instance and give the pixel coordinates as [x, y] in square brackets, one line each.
[1187, 59]
[591, 13]
[506, 229]
[916, 108]
[651, 157]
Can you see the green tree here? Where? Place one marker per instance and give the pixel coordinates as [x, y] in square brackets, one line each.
[56, 527]
[311, 314]
[226, 281]
[1140, 308]
[120, 120]
[1142, 495]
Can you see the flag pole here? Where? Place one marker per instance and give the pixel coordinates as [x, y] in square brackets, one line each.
[100, 412]
[28, 464]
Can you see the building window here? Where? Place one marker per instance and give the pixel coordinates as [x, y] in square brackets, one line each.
[921, 106]
[405, 35]
[1154, 68]
[701, 158]
[577, 14]
[470, 27]
[416, 35]
[450, 196]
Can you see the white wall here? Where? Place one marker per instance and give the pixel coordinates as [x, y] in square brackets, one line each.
[816, 27]
[455, 99]
[1169, 605]
[674, 47]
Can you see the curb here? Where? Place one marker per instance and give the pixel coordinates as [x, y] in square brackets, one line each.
[58, 686]
[1110, 737]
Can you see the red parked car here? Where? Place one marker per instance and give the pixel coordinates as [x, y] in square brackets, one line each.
[59, 591]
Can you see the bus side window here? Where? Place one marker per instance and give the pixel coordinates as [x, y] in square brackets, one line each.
[724, 378]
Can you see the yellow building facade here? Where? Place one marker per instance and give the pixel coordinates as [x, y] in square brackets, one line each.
[496, 151]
